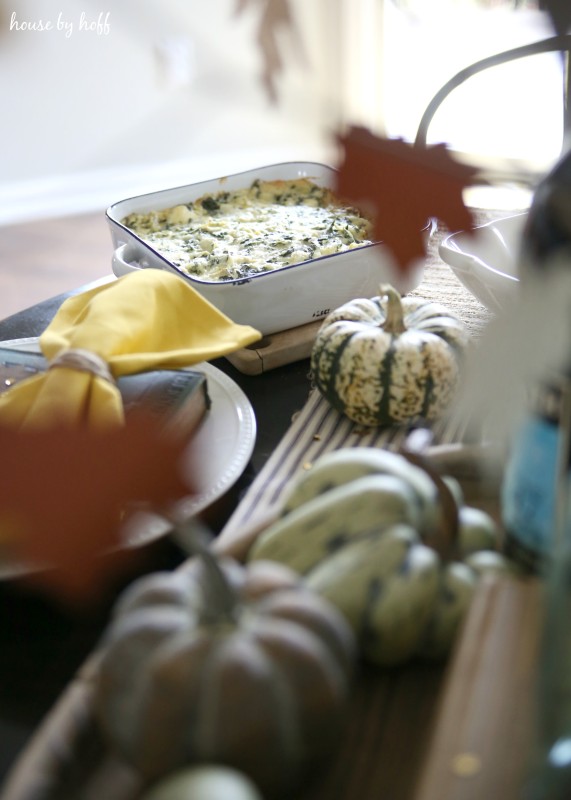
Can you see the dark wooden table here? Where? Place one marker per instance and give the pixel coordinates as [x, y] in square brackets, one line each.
[405, 725]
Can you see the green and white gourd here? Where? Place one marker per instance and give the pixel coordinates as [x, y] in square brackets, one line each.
[206, 782]
[385, 586]
[477, 531]
[457, 583]
[389, 360]
[345, 528]
[327, 522]
[340, 467]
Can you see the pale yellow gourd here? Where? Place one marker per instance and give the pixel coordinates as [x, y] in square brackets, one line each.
[401, 566]
[209, 782]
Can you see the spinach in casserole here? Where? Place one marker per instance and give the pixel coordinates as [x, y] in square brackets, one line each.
[237, 234]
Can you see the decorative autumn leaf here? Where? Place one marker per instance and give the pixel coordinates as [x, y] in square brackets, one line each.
[64, 492]
[275, 15]
[403, 187]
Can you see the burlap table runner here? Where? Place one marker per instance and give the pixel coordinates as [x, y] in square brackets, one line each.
[441, 284]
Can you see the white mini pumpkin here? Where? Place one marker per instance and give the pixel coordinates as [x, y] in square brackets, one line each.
[224, 664]
[388, 359]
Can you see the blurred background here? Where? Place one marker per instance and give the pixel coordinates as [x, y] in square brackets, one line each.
[168, 94]
[120, 97]
[148, 91]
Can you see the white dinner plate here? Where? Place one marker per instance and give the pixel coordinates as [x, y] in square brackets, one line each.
[485, 260]
[221, 449]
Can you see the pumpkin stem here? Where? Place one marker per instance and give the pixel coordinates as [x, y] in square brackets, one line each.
[394, 320]
[446, 538]
[195, 539]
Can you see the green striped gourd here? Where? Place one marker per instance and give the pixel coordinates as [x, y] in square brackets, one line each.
[340, 467]
[389, 360]
[386, 586]
[456, 588]
[371, 532]
[314, 530]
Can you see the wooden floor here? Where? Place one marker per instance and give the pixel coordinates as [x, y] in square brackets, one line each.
[41, 259]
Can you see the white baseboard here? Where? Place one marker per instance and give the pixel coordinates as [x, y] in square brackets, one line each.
[84, 192]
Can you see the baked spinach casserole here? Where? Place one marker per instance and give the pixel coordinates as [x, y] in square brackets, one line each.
[238, 234]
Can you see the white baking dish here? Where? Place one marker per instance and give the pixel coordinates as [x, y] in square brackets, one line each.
[271, 301]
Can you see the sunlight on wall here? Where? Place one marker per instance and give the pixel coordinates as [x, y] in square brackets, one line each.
[151, 93]
[510, 111]
[163, 81]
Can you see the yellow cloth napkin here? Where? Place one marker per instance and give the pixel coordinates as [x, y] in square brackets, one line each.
[149, 319]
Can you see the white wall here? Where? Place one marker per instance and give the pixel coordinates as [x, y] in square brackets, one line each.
[91, 117]
[105, 107]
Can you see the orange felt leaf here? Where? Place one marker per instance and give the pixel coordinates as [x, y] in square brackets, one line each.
[64, 492]
[403, 187]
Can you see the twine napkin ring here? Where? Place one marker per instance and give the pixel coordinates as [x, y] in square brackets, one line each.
[84, 361]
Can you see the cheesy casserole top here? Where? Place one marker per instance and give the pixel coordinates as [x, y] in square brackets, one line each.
[237, 234]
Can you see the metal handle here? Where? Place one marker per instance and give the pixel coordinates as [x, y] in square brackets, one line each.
[552, 44]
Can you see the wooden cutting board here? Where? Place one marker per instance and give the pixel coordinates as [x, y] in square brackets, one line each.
[275, 350]
[483, 738]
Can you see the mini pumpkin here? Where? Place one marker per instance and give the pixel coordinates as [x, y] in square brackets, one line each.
[389, 360]
[207, 782]
[226, 664]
